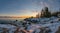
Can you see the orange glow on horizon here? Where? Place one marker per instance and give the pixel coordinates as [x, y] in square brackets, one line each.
[33, 14]
[21, 16]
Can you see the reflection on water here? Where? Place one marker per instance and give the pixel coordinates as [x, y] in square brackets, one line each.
[12, 18]
[6, 20]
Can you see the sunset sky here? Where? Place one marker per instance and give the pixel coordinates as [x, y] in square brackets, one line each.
[26, 7]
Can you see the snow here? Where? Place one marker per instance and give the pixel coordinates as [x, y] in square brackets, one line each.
[11, 28]
[53, 26]
[43, 23]
[6, 26]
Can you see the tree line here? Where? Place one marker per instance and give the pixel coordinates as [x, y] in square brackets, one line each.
[46, 13]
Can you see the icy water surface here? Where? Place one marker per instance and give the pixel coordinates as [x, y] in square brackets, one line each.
[5, 20]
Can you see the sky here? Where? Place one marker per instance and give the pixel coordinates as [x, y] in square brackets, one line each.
[26, 7]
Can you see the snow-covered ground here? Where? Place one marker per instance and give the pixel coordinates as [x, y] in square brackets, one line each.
[44, 25]
[9, 27]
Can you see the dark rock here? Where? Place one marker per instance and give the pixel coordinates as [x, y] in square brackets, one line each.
[58, 31]
[59, 19]
[51, 22]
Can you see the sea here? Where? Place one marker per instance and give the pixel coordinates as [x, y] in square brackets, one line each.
[7, 20]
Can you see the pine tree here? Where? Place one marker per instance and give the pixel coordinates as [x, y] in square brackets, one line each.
[45, 12]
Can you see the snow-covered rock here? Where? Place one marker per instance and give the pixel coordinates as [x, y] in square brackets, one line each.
[42, 25]
[8, 27]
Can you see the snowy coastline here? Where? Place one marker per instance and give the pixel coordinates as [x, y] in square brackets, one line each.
[48, 25]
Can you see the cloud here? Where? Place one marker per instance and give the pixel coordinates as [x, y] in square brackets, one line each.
[51, 1]
[41, 3]
[54, 1]
[24, 11]
[28, 12]
[44, 4]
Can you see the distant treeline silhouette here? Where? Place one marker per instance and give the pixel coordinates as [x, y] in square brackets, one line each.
[46, 13]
